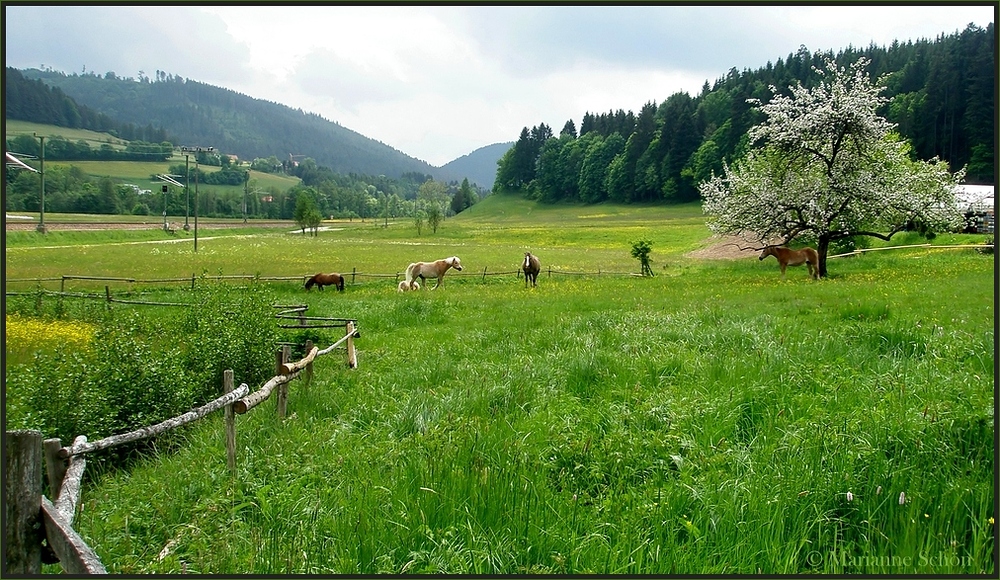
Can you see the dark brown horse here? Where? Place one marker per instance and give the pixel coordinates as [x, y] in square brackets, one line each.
[787, 257]
[321, 280]
[531, 267]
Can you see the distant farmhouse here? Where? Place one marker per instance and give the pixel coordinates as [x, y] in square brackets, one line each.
[976, 202]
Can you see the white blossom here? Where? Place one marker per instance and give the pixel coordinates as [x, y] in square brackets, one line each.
[827, 166]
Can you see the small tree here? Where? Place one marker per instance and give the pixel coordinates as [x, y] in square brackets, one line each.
[640, 251]
[304, 207]
[828, 168]
[418, 220]
[434, 216]
[312, 221]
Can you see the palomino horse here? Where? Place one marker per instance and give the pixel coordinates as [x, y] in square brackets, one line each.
[435, 269]
[321, 280]
[531, 267]
[787, 257]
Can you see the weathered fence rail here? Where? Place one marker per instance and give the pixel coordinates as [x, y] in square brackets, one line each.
[913, 246]
[354, 276]
[32, 517]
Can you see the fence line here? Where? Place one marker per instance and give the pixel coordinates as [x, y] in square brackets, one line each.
[925, 246]
[32, 517]
[354, 275]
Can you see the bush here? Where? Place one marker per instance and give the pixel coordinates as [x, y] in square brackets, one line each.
[143, 367]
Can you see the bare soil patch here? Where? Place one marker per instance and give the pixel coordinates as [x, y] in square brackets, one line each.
[726, 248]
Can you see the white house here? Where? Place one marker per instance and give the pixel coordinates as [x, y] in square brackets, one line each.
[976, 202]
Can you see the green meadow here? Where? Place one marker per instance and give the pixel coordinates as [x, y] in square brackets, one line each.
[711, 419]
[135, 172]
[15, 127]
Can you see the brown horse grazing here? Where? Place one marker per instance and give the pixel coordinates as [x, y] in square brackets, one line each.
[321, 280]
[787, 257]
[531, 267]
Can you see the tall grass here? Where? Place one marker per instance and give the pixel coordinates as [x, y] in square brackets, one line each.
[712, 419]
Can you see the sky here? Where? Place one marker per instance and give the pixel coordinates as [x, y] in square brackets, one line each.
[438, 82]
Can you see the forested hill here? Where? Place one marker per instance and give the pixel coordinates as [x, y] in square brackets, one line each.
[942, 100]
[480, 166]
[195, 113]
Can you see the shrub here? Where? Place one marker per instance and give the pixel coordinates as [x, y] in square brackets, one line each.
[142, 368]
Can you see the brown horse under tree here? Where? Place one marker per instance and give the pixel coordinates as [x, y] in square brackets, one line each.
[788, 257]
[321, 280]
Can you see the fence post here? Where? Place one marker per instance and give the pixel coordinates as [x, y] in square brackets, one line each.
[62, 285]
[352, 355]
[283, 356]
[227, 386]
[192, 280]
[550, 271]
[484, 273]
[23, 499]
[354, 272]
[55, 466]
[309, 367]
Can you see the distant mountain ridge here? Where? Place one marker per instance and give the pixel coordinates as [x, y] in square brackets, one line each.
[480, 166]
[199, 114]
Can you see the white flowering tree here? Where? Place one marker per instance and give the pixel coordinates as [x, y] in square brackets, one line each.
[825, 166]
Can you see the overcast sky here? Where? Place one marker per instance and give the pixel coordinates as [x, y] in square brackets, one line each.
[437, 82]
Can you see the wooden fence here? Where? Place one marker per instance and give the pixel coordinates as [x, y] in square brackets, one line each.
[39, 530]
[355, 277]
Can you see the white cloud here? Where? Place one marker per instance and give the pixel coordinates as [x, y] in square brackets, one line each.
[437, 82]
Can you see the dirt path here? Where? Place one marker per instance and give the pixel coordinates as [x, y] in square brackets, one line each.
[725, 248]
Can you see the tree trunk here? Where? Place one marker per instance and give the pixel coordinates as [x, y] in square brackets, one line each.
[823, 248]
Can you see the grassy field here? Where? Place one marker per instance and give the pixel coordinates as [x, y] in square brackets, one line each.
[711, 419]
[14, 128]
[139, 172]
[134, 172]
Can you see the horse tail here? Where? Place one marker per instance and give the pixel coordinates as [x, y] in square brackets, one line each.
[340, 283]
[310, 282]
[409, 272]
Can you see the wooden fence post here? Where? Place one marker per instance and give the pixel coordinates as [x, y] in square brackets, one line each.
[23, 498]
[283, 356]
[484, 273]
[62, 285]
[309, 367]
[352, 355]
[192, 280]
[55, 466]
[354, 272]
[227, 386]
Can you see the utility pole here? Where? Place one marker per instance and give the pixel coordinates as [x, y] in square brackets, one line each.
[196, 204]
[187, 192]
[196, 151]
[40, 228]
[246, 185]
